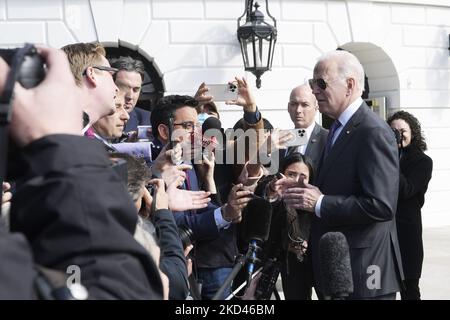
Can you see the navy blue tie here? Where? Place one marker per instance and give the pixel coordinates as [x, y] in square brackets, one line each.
[334, 126]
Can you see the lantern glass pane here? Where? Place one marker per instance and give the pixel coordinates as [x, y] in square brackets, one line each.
[248, 48]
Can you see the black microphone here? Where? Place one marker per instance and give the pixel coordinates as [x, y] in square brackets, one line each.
[257, 219]
[211, 131]
[335, 269]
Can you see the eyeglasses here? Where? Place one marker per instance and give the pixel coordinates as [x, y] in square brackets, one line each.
[111, 70]
[322, 84]
[188, 126]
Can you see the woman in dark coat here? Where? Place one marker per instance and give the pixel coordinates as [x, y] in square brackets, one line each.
[289, 229]
[415, 174]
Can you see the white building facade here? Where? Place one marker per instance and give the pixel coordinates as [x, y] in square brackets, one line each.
[403, 46]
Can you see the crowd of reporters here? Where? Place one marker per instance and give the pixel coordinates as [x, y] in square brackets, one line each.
[153, 217]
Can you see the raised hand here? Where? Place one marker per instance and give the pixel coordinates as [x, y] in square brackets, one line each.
[202, 96]
[245, 97]
[237, 200]
[182, 200]
[206, 172]
[166, 159]
[277, 139]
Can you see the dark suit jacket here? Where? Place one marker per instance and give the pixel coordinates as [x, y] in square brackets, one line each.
[359, 179]
[415, 173]
[138, 117]
[172, 261]
[316, 144]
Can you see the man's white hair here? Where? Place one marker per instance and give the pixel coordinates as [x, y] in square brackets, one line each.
[348, 66]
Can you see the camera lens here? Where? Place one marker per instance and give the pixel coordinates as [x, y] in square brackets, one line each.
[186, 235]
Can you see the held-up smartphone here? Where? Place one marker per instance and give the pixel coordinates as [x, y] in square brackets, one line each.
[223, 92]
[144, 132]
[170, 146]
[300, 137]
[152, 189]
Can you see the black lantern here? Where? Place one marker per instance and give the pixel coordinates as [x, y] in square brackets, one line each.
[257, 39]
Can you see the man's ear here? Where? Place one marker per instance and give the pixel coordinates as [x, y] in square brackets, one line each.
[163, 132]
[91, 77]
[351, 85]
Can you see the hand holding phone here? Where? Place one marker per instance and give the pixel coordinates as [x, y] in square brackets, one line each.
[300, 137]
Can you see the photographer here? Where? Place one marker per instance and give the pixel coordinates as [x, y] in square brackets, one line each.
[69, 203]
[415, 174]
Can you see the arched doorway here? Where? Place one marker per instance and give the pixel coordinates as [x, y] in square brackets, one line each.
[152, 87]
[383, 81]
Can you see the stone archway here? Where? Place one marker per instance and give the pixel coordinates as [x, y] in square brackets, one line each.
[380, 70]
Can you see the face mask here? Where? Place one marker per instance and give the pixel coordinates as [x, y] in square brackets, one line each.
[202, 117]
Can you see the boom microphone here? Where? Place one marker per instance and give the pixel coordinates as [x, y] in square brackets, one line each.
[257, 220]
[335, 268]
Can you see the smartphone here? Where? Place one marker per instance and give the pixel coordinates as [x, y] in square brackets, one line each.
[152, 190]
[223, 92]
[144, 132]
[170, 146]
[279, 175]
[300, 137]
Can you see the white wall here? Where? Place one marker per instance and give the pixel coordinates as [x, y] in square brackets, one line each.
[402, 46]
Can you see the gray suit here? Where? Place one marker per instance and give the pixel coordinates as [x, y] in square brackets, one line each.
[360, 178]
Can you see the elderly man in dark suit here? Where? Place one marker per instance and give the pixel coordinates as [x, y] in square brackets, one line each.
[357, 182]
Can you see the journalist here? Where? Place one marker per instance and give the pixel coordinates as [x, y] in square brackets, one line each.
[415, 174]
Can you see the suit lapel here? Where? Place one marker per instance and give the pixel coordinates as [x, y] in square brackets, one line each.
[339, 145]
[312, 141]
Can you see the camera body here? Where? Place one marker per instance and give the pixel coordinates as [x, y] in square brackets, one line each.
[398, 136]
[186, 235]
[31, 66]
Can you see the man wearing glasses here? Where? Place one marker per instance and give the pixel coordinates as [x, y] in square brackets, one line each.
[208, 225]
[94, 77]
[357, 181]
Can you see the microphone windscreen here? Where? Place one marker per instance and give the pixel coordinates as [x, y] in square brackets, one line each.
[211, 123]
[257, 218]
[335, 267]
